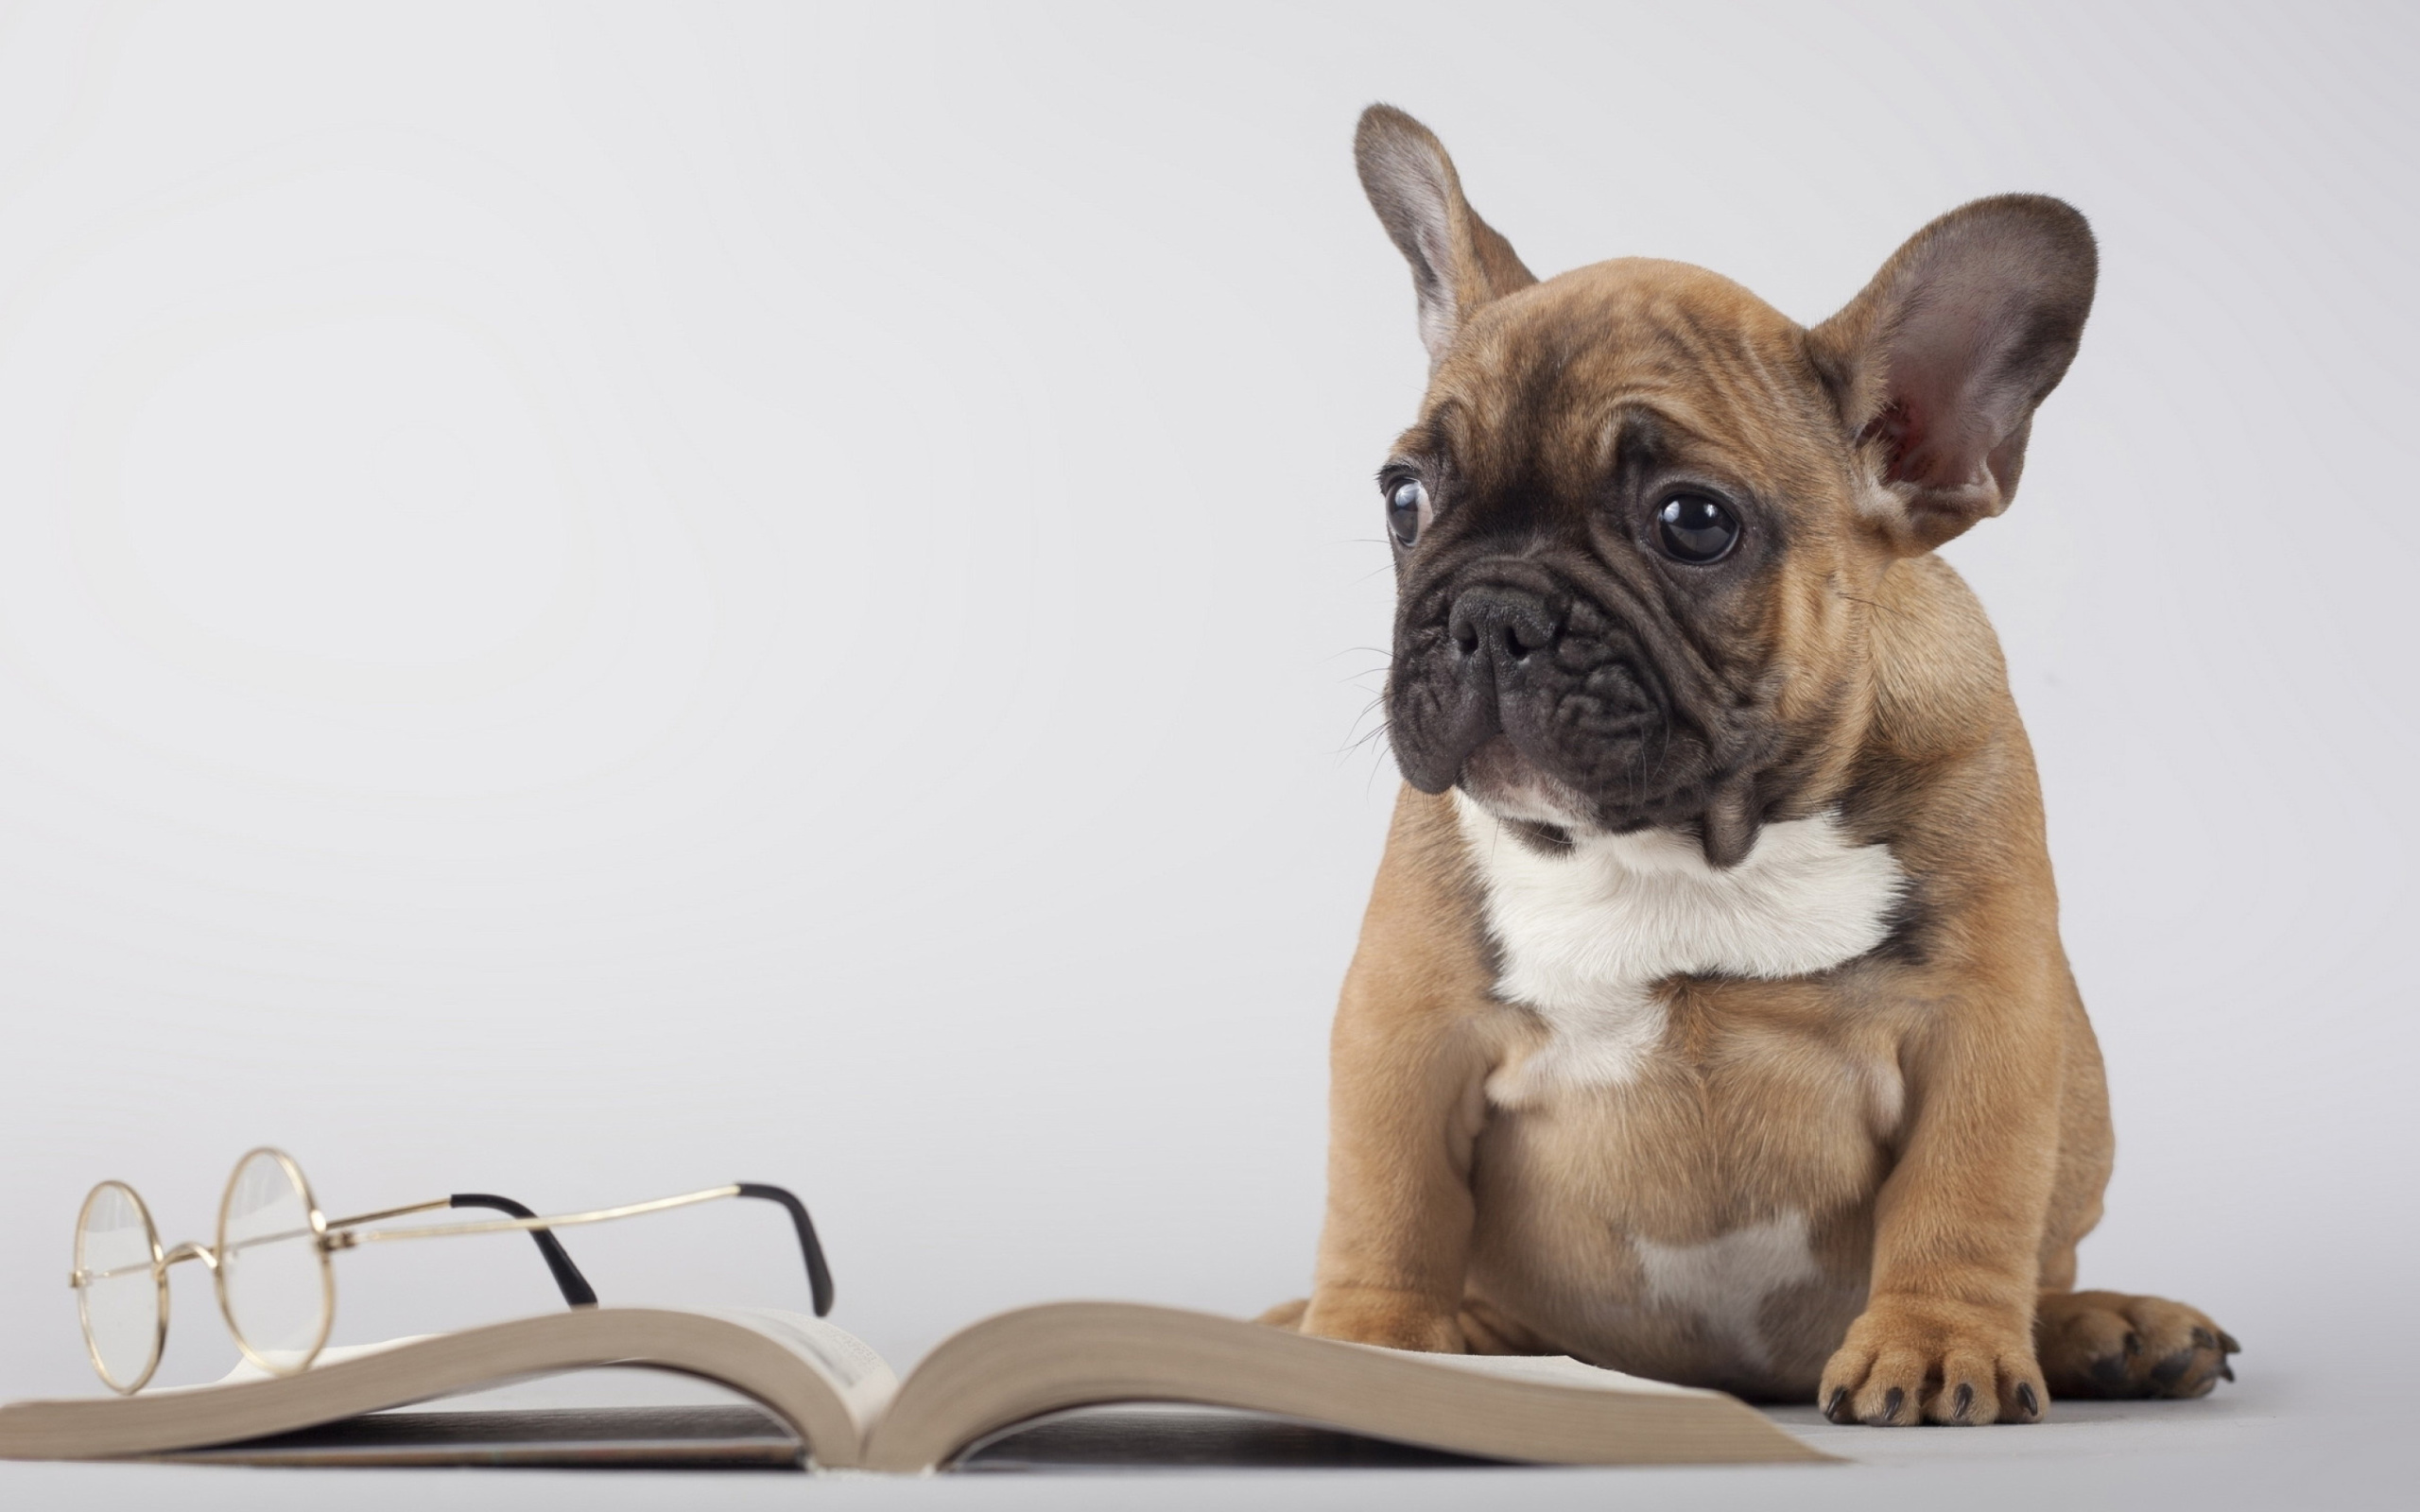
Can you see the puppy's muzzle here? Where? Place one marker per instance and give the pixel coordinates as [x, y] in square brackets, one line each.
[1555, 676]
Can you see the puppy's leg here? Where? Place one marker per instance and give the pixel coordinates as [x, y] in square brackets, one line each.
[1948, 1335]
[1409, 1057]
[1402, 1114]
[2107, 1344]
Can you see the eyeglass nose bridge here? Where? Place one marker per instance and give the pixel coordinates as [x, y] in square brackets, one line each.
[188, 1250]
[191, 1250]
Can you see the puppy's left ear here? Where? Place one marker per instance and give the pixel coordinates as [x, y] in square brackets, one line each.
[1459, 262]
[1937, 367]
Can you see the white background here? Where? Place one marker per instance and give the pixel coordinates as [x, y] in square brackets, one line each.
[601, 600]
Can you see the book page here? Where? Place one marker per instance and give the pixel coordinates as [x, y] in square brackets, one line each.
[823, 1384]
[1018, 1366]
[244, 1370]
[864, 1379]
[1549, 1370]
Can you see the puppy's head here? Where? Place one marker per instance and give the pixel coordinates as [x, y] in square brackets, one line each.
[1637, 523]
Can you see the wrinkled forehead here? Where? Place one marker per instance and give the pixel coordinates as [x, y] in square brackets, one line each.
[1660, 362]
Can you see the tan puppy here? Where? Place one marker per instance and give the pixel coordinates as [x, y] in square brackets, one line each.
[1709, 1019]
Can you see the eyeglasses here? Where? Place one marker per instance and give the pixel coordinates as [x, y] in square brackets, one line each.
[269, 1263]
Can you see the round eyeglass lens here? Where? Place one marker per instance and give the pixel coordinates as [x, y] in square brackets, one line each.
[117, 1254]
[272, 1275]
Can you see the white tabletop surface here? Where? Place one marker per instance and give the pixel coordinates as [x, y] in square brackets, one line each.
[2269, 1442]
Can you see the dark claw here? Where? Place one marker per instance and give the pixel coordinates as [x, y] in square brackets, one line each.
[2226, 1342]
[2026, 1400]
[1837, 1409]
[1960, 1403]
[2226, 1372]
[1891, 1404]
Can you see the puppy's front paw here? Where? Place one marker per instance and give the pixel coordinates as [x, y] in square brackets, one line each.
[1287, 1316]
[2107, 1344]
[1399, 1320]
[1911, 1359]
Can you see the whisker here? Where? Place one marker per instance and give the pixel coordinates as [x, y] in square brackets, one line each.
[1354, 743]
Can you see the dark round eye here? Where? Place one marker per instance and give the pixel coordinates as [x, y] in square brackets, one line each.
[1407, 510]
[1696, 528]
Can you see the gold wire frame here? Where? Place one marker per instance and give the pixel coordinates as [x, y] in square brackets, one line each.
[159, 1280]
[217, 1260]
[327, 1236]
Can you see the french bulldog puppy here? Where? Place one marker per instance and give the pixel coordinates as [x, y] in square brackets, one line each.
[1709, 1019]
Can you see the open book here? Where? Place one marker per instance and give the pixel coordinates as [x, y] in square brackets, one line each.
[838, 1405]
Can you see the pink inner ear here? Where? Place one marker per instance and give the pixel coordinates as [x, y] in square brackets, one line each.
[1891, 428]
[1952, 345]
[1945, 410]
[1922, 451]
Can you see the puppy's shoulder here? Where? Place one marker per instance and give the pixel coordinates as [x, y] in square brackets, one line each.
[1946, 775]
[1941, 683]
[1424, 952]
[1423, 935]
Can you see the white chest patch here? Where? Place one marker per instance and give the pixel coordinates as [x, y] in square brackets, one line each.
[1587, 935]
[1725, 1281]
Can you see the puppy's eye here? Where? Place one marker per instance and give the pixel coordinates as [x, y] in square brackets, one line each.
[1408, 510]
[1696, 528]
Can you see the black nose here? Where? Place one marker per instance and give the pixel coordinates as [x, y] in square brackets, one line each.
[1502, 625]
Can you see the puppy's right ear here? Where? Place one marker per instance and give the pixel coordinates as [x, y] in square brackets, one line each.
[1457, 260]
[1938, 365]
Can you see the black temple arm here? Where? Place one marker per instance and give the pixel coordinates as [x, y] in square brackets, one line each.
[819, 1275]
[573, 1284]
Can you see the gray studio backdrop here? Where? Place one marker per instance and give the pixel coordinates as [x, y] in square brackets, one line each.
[599, 600]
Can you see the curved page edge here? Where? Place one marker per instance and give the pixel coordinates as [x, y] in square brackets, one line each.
[727, 1353]
[1153, 1354]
